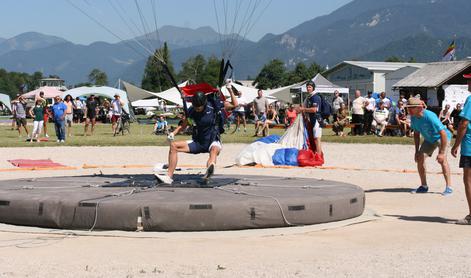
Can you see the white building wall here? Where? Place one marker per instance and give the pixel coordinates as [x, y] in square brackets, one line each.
[379, 82]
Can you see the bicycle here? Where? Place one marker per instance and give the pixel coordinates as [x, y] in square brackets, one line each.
[123, 124]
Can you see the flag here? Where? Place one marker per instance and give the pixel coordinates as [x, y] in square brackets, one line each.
[450, 52]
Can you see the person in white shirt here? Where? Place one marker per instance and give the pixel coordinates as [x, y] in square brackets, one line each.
[380, 119]
[369, 110]
[240, 112]
[116, 111]
[358, 106]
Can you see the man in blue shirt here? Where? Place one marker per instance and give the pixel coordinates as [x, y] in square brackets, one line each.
[436, 135]
[464, 139]
[58, 110]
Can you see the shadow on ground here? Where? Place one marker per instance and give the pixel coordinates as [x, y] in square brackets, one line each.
[430, 219]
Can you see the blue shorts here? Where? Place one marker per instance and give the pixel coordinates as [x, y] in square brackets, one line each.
[196, 147]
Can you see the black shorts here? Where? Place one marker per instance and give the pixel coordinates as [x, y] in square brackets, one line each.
[240, 114]
[21, 122]
[465, 161]
[91, 115]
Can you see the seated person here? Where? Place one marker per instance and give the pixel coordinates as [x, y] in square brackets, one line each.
[380, 119]
[341, 120]
[402, 120]
[270, 120]
[161, 126]
[444, 117]
[290, 116]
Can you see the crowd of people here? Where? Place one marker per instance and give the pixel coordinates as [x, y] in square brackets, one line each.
[63, 113]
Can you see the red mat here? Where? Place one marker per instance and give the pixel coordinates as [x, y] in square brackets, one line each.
[28, 163]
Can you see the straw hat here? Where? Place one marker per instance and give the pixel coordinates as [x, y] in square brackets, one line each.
[414, 102]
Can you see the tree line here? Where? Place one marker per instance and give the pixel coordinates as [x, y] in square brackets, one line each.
[198, 69]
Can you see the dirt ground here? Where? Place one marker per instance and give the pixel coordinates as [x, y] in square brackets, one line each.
[414, 237]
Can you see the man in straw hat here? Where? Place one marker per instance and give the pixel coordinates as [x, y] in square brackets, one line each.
[436, 135]
[464, 139]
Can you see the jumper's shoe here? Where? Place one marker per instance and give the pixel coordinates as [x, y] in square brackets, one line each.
[209, 171]
[420, 189]
[163, 178]
[448, 191]
[464, 221]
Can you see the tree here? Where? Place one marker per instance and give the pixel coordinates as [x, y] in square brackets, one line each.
[271, 76]
[193, 69]
[393, 59]
[98, 77]
[155, 77]
[211, 71]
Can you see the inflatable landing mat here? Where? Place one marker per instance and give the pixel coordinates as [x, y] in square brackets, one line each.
[231, 202]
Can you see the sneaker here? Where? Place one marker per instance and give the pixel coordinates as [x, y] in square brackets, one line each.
[62, 141]
[163, 178]
[47, 136]
[464, 221]
[420, 189]
[58, 141]
[448, 190]
[209, 171]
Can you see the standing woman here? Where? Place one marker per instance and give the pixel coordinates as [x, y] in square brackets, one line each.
[336, 102]
[69, 114]
[37, 113]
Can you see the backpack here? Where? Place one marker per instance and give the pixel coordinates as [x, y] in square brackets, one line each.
[326, 108]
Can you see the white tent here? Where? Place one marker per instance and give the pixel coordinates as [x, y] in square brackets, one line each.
[324, 86]
[105, 91]
[284, 93]
[135, 93]
[5, 99]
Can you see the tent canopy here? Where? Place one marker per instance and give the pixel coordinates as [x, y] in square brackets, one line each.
[49, 92]
[105, 91]
[135, 93]
[324, 86]
[5, 99]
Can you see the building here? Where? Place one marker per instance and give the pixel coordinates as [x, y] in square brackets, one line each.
[364, 75]
[396, 76]
[430, 80]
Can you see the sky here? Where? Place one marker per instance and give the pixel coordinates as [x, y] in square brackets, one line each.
[60, 18]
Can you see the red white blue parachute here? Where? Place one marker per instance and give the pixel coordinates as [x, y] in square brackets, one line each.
[295, 148]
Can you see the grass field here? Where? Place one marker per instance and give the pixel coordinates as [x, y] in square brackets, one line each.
[141, 135]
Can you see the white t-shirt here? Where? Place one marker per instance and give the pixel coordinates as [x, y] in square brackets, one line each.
[371, 104]
[117, 108]
[242, 102]
[357, 106]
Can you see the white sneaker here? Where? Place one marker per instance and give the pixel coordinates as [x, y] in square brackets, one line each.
[58, 140]
[47, 136]
[163, 178]
[62, 141]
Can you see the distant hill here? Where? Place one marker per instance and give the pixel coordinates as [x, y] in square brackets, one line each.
[362, 29]
[28, 41]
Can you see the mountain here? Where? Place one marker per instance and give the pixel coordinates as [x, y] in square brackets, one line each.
[2, 40]
[28, 41]
[362, 29]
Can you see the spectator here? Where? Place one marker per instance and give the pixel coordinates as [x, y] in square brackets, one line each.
[20, 115]
[386, 101]
[436, 135]
[116, 111]
[240, 112]
[91, 109]
[336, 102]
[161, 126]
[369, 110]
[78, 110]
[341, 120]
[37, 113]
[13, 112]
[59, 111]
[69, 114]
[45, 111]
[455, 116]
[358, 106]
[259, 108]
[290, 116]
[402, 119]
[271, 120]
[380, 119]
[444, 117]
